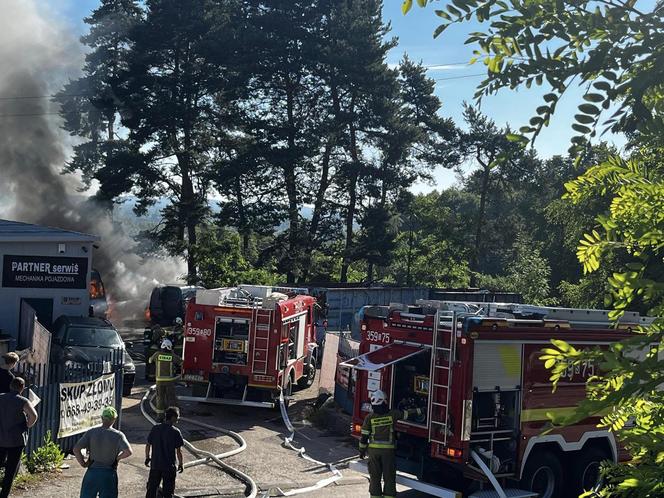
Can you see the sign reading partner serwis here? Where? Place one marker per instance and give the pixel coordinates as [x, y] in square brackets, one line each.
[44, 272]
[81, 404]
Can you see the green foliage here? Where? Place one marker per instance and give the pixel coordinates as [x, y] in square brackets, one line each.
[613, 49]
[528, 274]
[560, 43]
[222, 263]
[432, 245]
[588, 293]
[46, 458]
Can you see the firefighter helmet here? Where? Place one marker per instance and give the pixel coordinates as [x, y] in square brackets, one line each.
[378, 398]
[178, 321]
[166, 344]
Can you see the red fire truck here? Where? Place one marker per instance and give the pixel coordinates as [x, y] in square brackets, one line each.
[474, 369]
[243, 344]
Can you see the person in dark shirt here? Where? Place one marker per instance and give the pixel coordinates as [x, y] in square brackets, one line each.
[6, 376]
[16, 417]
[164, 442]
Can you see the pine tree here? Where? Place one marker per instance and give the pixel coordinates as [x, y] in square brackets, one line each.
[90, 105]
[177, 86]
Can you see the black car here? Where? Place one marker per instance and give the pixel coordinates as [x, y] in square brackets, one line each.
[167, 303]
[79, 341]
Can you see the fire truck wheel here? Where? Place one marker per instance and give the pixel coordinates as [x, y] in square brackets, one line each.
[543, 475]
[309, 376]
[585, 470]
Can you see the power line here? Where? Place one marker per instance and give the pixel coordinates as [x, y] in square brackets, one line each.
[461, 77]
[443, 64]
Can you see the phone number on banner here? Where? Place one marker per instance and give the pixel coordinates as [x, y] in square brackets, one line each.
[90, 406]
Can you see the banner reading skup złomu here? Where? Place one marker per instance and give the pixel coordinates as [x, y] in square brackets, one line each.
[81, 404]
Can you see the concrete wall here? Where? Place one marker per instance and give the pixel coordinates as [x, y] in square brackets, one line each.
[74, 302]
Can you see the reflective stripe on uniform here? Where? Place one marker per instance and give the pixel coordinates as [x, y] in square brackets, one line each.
[381, 421]
[389, 446]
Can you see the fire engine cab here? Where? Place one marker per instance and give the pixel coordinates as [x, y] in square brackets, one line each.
[474, 370]
[243, 345]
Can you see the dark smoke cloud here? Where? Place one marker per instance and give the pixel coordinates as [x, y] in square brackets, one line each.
[36, 57]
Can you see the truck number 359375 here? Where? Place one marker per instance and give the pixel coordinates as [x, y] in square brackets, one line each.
[374, 336]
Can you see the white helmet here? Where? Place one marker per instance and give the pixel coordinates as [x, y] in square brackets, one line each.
[166, 344]
[378, 398]
[178, 321]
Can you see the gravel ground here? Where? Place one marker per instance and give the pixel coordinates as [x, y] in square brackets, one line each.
[272, 466]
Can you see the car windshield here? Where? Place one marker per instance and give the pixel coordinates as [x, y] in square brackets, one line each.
[90, 336]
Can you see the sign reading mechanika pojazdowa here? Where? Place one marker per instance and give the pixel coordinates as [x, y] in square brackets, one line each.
[52, 272]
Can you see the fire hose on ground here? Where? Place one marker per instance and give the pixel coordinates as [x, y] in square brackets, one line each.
[204, 457]
[288, 443]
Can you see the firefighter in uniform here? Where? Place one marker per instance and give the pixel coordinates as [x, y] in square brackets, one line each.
[378, 438]
[165, 362]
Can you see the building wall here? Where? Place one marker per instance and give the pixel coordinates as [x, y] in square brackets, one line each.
[74, 302]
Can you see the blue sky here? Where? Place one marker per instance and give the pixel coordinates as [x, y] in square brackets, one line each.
[415, 34]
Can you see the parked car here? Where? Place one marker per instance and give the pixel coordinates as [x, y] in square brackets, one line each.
[78, 341]
[98, 301]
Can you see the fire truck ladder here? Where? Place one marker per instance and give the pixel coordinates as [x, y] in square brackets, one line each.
[261, 342]
[440, 392]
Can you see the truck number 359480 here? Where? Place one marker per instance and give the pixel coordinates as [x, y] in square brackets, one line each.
[374, 336]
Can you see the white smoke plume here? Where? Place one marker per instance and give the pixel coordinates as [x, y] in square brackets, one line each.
[37, 55]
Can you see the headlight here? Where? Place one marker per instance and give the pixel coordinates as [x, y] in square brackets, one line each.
[129, 368]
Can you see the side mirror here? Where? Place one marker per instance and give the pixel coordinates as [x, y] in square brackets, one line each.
[129, 344]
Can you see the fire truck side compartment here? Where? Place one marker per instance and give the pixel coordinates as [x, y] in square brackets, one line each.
[411, 385]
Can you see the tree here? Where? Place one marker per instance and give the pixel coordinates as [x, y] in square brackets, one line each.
[529, 274]
[222, 263]
[284, 115]
[415, 139]
[362, 90]
[376, 240]
[487, 146]
[412, 140]
[90, 105]
[432, 247]
[613, 48]
[176, 86]
[246, 189]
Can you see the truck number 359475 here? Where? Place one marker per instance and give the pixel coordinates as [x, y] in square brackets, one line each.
[374, 336]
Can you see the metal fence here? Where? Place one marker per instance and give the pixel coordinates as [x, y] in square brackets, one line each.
[45, 380]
